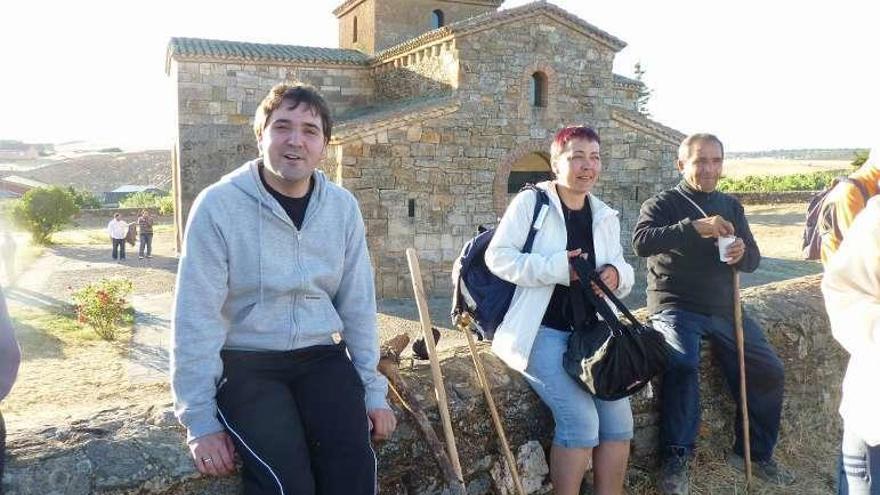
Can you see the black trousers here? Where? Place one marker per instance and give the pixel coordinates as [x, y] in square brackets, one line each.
[298, 421]
[119, 249]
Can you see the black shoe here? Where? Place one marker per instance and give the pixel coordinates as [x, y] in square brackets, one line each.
[674, 473]
[769, 470]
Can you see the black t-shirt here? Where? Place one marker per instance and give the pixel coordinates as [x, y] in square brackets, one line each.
[579, 227]
[295, 207]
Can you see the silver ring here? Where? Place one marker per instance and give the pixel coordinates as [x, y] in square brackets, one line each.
[207, 459]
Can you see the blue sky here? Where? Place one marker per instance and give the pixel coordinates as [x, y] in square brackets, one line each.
[760, 74]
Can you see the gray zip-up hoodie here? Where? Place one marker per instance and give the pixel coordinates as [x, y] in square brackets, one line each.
[250, 280]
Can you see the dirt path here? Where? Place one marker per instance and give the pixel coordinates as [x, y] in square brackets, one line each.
[79, 378]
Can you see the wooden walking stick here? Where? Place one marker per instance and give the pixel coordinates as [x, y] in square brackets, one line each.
[464, 323]
[744, 403]
[418, 290]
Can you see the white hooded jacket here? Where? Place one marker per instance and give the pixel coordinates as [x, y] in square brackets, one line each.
[537, 273]
[851, 286]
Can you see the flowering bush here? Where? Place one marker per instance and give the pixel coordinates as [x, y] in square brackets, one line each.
[102, 304]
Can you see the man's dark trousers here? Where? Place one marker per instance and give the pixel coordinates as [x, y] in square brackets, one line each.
[680, 392]
[299, 421]
[119, 249]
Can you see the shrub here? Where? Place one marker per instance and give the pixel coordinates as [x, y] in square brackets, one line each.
[84, 199]
[814, 181]
[44, 211]
[141, 200]
[859, 158]
[103, 304]
[166, 205]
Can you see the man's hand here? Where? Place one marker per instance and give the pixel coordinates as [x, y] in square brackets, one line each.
[213, 454]
[713, 227]
[735, 251]
[383, 422]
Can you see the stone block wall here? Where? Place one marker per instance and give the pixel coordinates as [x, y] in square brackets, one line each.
[401, 20]
[636, 165]
[385, 23]
[429, 71]
[216, 104]
[365, 12]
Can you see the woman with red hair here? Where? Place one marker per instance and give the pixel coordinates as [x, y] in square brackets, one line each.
[535, 330]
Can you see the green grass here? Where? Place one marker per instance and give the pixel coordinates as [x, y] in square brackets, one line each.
[46, 334]
[814, 181]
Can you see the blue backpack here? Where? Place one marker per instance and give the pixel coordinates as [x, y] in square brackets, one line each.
[477, 291]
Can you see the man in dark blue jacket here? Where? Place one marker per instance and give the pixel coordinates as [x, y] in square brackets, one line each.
[690, 296]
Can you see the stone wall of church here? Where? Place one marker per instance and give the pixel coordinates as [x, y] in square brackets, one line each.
[365, 12]
[216, 104]
[401, 20]
[636, 165]
[430, 182]
[430, 71]
[626, 96]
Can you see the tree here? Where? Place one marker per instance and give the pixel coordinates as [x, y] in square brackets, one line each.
[644, 94]
[84, 200]
[43, 211]
[860, 158]
[140, 199]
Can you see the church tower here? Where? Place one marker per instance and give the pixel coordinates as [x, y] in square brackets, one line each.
[371, 26]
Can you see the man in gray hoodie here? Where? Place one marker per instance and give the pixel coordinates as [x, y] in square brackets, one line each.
[10, 356]
[274, 271]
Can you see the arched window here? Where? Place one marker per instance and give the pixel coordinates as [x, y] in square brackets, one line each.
[354, 32]
[538, 89]
[437, 19]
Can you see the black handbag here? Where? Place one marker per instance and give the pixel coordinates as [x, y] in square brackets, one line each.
[609, 358]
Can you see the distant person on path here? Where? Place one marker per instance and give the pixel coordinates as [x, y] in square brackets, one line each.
[10, 356]
[851, 286]
[118, 230]
[846, 201]
[690, 296]
[145, 230]
[274, 270]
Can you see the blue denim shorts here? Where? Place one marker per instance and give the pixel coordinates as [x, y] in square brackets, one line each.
[582, 421]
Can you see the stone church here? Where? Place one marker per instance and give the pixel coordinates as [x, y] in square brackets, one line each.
[442, 109]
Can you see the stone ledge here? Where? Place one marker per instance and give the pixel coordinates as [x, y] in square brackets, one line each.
[141, 450]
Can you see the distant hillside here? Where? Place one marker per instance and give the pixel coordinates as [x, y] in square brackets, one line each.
[805, 154]
[103, 172]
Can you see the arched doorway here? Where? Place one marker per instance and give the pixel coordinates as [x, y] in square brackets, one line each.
[532, 168]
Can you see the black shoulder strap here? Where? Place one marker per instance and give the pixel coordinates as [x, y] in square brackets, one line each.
[586, 275]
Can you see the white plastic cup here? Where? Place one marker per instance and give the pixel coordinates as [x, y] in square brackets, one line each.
[723, 243]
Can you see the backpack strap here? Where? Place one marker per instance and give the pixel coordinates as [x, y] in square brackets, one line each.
[861, 187]
[541, 201]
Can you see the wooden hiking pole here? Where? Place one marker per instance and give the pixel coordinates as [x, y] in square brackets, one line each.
[744, 403]
[424, 315]
[464, 323]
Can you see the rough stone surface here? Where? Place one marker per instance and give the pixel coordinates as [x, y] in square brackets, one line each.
[431, 128]
[141, 450]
